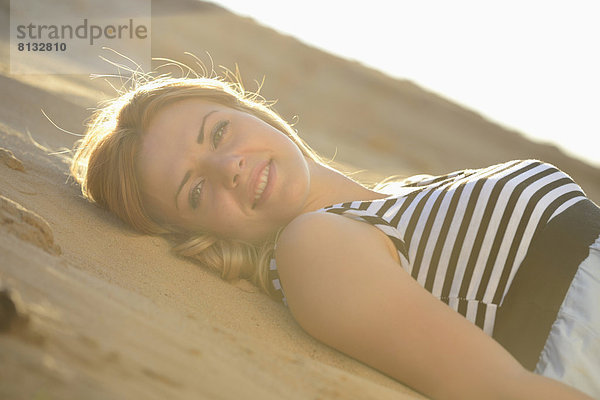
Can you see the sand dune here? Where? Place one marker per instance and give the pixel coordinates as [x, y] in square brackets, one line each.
[102, 312]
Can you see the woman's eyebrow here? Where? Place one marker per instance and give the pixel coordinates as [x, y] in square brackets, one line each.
[200, 138]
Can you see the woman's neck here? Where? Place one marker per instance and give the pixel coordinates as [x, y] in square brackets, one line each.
[329, 186]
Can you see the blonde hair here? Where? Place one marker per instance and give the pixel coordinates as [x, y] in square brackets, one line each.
[104, 164]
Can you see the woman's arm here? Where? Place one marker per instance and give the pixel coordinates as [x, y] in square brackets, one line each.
[345, 288]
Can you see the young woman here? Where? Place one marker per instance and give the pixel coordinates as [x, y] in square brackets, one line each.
[440, 282]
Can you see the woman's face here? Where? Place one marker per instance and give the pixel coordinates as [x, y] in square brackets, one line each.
[206, 167]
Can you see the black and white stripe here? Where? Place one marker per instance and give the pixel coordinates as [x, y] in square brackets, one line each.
[463, 236]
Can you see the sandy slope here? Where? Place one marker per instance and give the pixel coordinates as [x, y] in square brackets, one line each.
[106, 313]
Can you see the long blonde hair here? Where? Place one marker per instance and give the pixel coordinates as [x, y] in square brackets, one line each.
[104, 164]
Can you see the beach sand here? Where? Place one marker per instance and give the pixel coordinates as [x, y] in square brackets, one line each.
[103, 312]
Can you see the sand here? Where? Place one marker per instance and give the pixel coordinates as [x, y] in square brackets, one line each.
[103, 312]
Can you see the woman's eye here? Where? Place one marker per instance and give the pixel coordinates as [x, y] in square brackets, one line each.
[194, 196]
[218, 132]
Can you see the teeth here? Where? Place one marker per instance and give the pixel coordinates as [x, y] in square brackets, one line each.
[262, 183]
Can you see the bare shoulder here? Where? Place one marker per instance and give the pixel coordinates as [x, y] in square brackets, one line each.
[317, 231]
[318, 236]
[319, 249]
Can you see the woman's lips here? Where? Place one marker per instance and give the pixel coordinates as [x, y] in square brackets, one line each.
[263, 184]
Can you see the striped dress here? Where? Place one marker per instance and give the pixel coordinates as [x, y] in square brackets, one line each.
[499, 245]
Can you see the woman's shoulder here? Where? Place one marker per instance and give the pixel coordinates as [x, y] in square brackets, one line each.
[320, 255]
[306, 233]
[317, 239]
[309, 229]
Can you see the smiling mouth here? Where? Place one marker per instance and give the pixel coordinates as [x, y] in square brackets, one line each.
[262, 184]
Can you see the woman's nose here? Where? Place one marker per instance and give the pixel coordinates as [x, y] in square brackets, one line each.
[227, 169]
